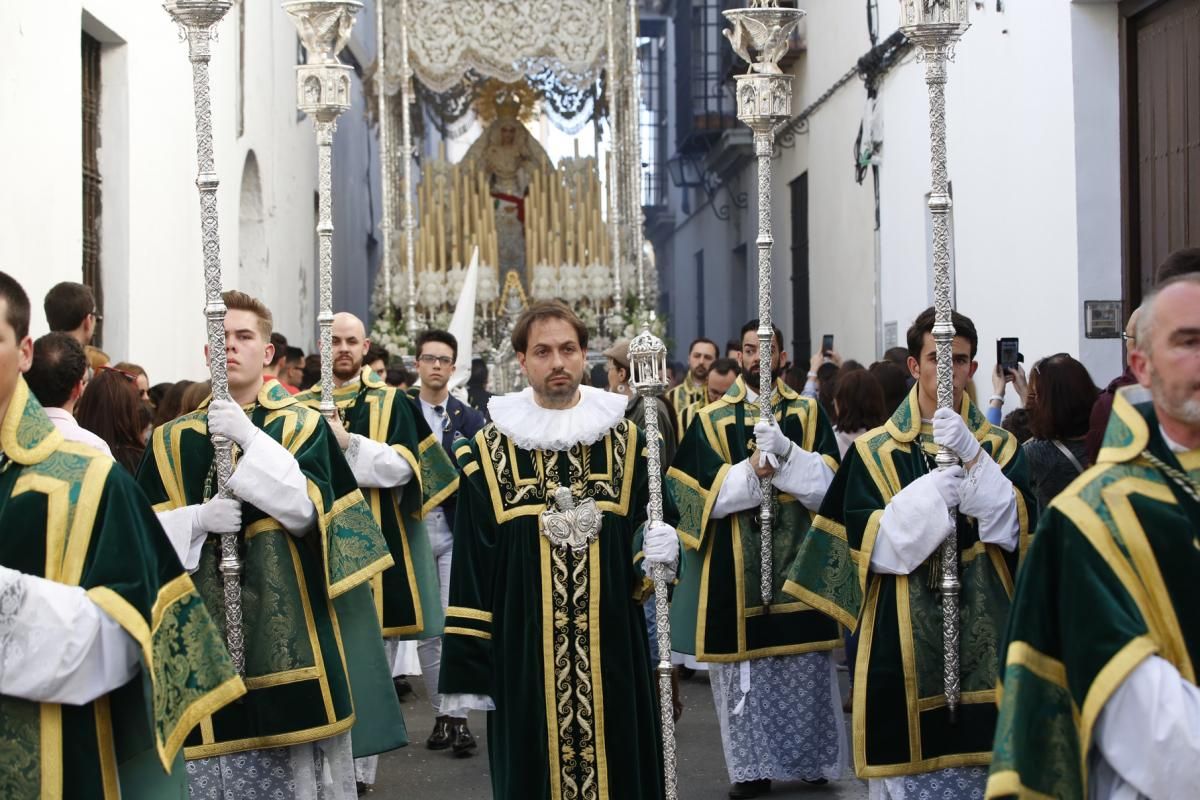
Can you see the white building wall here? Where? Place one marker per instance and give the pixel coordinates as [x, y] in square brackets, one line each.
[151, 259]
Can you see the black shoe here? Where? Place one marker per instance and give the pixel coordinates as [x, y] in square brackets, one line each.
[403, 687]
[440, 738]
[461, 738]
[745, 789]
[361, 787]
[815, 781]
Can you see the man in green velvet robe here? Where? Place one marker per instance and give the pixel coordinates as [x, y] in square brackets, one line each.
[1100, 695]
[544, 627]
[701, 355]
[315, 665]
[871, 562]
[773, 682]
[108, 656]
[403, 472]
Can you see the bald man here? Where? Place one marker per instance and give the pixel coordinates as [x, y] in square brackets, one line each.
[403, 472]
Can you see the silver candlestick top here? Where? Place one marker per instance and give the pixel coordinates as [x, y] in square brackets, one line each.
[324, 26]
[648, 363]
[764, 97]
[197, 14]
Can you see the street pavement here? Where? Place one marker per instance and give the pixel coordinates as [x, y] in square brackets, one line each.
[415, 773]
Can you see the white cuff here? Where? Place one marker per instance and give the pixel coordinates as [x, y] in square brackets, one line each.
[267, 476]
[741, 491]
[1149, 731]
[377, 465]
[184, 534]
[805, 476]
[913, 524]
[990, 497]
[56, 645]
[457, 705]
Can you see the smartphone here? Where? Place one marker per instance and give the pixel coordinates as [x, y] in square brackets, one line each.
[1008, 353]
[827, 344]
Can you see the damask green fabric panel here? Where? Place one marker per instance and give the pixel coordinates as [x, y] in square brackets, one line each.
[729, 624]
[66, 499]
[410, 603]
[294, 653]
[831, 572]
[1107, 582]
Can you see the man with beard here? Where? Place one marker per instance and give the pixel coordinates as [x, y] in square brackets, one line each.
[872, 561]
[1100, 696]
[403, 473]
[543, 626]
[691, 389]
[448, 418]
[314, 662]
[773, 680]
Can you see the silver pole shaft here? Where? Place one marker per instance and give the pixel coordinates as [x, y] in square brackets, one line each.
[230, 566]
[406, 153]
[615, 160]
[662, 614]
[764, 145]
[325, 128]
[386, 160]
[936, 59]
[633, 138]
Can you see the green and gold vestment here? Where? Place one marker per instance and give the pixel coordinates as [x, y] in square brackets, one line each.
[406, 596]
[69, 514]
[682, 396]
[301, 665]
[1109, 581]
[557, 638]
[717, 612]
[900, 719]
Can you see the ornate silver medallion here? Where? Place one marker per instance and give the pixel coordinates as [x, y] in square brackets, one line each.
[570, 524]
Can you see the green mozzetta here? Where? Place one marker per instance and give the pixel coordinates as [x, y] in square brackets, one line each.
[406, 596]
[900, 720]
[717, 612]
[301, 668]
[1109, 581]
[557, 638]
[71, 515]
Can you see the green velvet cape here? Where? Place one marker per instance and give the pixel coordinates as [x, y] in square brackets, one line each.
[301, 664]
[407, 597]
[717, 612]
[900, 722]
[1109, 581]
[71, 515]
[557, 639]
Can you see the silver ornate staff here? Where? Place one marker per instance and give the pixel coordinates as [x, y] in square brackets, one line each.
[406, 152]
[764, 96]
[935, 26]
[615, 157]
[648, 368]
[197, 19]
[323, 92]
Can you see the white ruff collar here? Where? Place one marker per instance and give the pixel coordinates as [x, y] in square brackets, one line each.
[531, 427]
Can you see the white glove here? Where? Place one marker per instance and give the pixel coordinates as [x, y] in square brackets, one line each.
[771, 442]
[948, 483]
[660, 545]
[949, 430]
[219, 515]
[227, 419]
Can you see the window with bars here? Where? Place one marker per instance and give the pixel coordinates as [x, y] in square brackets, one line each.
[652, 110]
[652, 50]
[706, 102]
[90, 108]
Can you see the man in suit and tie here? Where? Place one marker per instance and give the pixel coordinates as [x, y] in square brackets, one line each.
[448, 418]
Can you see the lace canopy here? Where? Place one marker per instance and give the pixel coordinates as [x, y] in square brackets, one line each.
[504, 39]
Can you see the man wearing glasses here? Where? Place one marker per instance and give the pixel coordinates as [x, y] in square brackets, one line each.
[449, 418]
